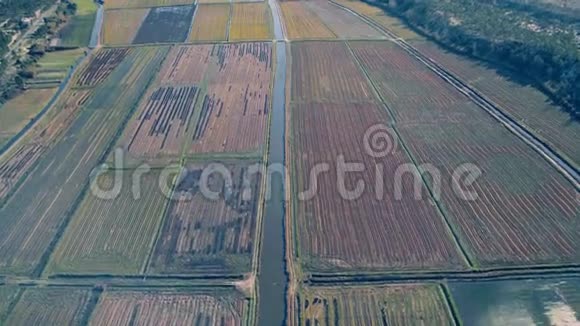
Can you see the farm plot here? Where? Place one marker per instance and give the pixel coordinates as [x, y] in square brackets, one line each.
[314, 64]
[342, 23]
[522, 211]
[384, 305]
[169, 308]
[113, 229]
[27, 230]
[77, 32]
[165, 25]
[19, 111]
[251, 21]
[50, 306]
[211, 23]
[116, 4]
[52, 68]
[302, 23]
[235, 107]
[22, 158]
[100, 67]
[163, 122]
[8, 295]
[210, 235]
[382, 18]
[120, 26]
[524, 103]
[376, 229]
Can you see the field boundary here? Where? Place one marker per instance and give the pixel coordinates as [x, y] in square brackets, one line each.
[552, 156]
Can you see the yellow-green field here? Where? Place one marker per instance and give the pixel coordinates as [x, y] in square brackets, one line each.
[211, 23]
[16, 113]
[250, 21]
[121, 25]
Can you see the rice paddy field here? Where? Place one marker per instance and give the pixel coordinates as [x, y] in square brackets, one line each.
[373, 231]
[206, 99]
[165, 25]
[120, 26]
[301, 23]
[374, 228]
[382, 305]
[49, 306]
[116, 4]
[117, 307]
[529, 224]
[251, 21]
[28, 231]
[114, 227]
[211, 23]
[209, 235]
[525, 104]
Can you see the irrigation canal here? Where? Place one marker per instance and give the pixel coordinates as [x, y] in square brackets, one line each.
[272, 276]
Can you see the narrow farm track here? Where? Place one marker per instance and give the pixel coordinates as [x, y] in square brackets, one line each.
[568, 169]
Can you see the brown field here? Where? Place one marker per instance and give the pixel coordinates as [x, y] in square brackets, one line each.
[211, 23]
[168, 308]
[112, 4]
[524, 103]
[207, 235]
[50, 306]
[235, 108]
[342, 23]
[316, 77]
[302, 23]
[373, 231]
[523, 211]
[250, 21]
[383, 305]
[100, 67]
[121, 26]
[19, 161]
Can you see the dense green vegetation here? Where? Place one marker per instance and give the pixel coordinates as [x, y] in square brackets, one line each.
[21, 8]
[528, 39]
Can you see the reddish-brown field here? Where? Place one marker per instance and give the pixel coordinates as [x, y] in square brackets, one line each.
[168, 308]
[522, 212]
[100, 67]
[202, 234]
[325, 71]
[375, 230]
[237, 101]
